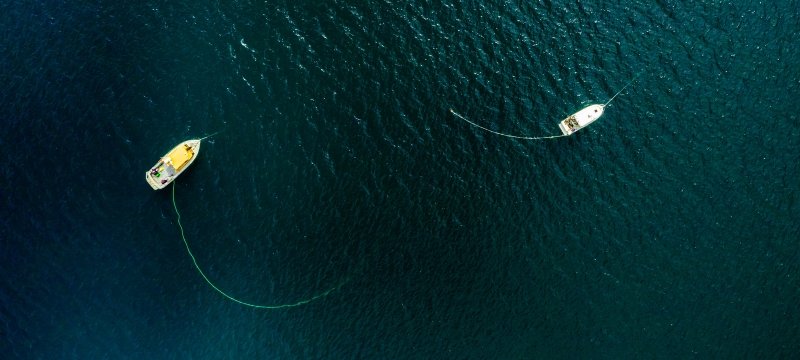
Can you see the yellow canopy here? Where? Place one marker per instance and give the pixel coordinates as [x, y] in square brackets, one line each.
[180, 156]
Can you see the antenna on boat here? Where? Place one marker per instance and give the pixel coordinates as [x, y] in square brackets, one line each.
[623, 88]
[506, 135]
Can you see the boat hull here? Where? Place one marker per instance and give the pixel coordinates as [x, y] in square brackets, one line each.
[581, 119]
[166, 170]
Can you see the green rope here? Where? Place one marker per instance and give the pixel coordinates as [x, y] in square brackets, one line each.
[194, 261]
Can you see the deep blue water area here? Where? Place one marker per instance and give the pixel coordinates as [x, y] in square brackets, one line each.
[667, 229]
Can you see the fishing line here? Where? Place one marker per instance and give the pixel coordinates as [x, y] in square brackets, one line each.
[229, 297]
[506, 135]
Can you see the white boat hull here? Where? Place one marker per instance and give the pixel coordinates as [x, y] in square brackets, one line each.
[581, 119]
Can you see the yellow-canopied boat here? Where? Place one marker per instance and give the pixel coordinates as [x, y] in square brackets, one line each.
[172, 164]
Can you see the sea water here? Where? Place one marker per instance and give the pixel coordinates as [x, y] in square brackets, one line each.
[667, 229]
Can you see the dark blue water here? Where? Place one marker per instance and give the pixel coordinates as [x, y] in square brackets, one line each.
[667, 229]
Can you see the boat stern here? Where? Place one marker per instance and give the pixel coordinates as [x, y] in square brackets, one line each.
[565, 128]
[151, 180]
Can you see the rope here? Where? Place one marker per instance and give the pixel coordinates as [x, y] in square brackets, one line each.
[258, 306]
[506, 135]
[208, 136]
[623, 88]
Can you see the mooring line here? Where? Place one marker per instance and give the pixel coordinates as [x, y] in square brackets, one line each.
[506, 135]
[229, 297]
[623, 88]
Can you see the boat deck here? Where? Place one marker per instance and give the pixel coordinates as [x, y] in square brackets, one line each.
[162, 172]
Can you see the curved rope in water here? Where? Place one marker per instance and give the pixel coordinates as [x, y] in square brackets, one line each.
[506, 135]
[258, 306]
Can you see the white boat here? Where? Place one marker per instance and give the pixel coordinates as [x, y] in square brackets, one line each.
[171, 165]
[581, 119]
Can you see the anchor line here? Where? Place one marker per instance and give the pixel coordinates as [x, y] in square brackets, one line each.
[623, 88]
[229, 297]
[208, 136]
[506, 135]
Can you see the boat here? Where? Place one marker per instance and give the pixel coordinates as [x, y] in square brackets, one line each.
[172, 164]
[581, 119]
